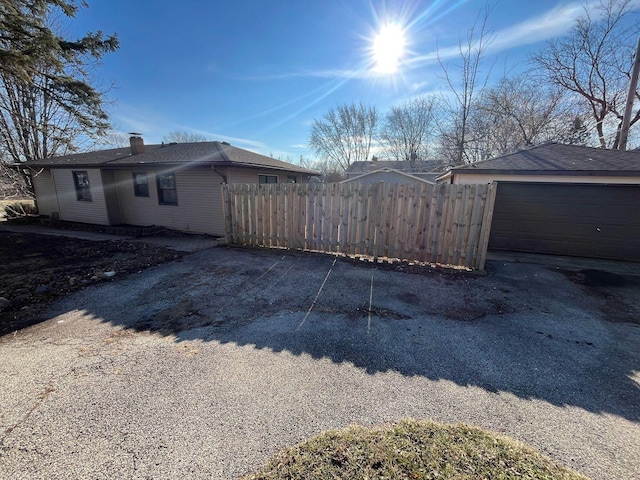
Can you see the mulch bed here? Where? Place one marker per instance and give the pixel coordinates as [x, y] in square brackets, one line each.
[37, 269]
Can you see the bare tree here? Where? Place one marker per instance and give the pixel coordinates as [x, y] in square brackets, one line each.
[344, 134]
[526, 109]
[33, 124]
[115, 140]
[184, 137]
[575, 131]
[518, 112]
[594, 62]
[330, 171]
[466, 85]
[408, 128]
[47, 102]
[13, 184]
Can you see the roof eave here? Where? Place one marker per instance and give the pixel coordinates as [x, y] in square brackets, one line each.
[267, 167]
[445, 176]
[575, 173]
[122, 165]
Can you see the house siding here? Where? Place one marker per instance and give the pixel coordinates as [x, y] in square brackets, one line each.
[463, 178]
[199, 208]
[45, 190]
[74, 210]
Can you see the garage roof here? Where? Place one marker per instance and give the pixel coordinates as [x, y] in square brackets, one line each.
[558, 159]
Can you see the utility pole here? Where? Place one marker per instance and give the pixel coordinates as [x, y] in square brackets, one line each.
[626, 119]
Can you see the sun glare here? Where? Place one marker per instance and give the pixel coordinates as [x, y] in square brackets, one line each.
[388, 48]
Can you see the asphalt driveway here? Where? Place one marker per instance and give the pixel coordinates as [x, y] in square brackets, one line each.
[205, 367]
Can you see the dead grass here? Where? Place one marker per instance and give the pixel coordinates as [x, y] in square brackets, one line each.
[412, 449]
[19, 207]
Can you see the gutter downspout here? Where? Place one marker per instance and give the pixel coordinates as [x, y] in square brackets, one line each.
[216, 171]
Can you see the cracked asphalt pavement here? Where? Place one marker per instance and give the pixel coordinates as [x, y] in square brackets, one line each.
[207, 366]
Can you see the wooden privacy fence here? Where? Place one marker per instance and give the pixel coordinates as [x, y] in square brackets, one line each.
[447, 224]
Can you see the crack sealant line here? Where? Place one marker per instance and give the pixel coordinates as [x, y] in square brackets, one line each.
[272, 284]
[313, 304]
[285, 273]
[370, 302]
[244, 287]
[269, 269]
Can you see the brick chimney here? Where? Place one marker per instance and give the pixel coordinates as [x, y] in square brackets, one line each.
[137, 144]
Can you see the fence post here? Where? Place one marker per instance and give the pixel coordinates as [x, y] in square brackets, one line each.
[226, 201]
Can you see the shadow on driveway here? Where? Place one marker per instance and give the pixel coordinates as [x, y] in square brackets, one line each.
[523, 329]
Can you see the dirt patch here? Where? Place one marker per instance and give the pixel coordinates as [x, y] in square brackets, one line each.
[182, 316]
[381, 312]
[36, 269]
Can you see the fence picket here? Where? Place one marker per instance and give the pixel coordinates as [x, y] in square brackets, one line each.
[421, 226]
[476, 225]
[457, 230]
[435, 223]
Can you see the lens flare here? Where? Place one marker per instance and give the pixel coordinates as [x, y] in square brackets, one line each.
[388, 48]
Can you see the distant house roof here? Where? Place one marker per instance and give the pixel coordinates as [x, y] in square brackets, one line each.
[197, 153]
[429, 177]
[557, 159]
[408, 177]
[412, 167]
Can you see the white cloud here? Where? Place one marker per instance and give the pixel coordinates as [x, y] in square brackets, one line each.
[551, 24]
[237, 141]
[131, 119]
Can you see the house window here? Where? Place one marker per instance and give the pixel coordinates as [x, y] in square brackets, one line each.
[83, 189]
[167, 189]
[291, 179]
[267, 179]
[140, 185]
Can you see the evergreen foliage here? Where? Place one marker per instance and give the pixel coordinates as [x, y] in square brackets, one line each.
[46, 97]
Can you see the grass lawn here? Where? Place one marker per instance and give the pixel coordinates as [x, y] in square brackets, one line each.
[412, 449]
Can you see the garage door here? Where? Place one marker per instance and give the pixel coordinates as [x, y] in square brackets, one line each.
[597, 221]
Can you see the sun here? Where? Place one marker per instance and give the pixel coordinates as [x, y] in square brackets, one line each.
[388, 48]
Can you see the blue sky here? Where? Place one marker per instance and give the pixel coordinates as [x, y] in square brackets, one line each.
[256, 73]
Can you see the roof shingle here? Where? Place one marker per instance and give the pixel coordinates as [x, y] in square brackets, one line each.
[406, 166]
[556, 158]
[197, 153]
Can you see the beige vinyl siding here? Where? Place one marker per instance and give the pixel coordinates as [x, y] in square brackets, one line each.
[463, 178]
[45, 190]
[74, 210]
[199, 208]
[250, 175]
